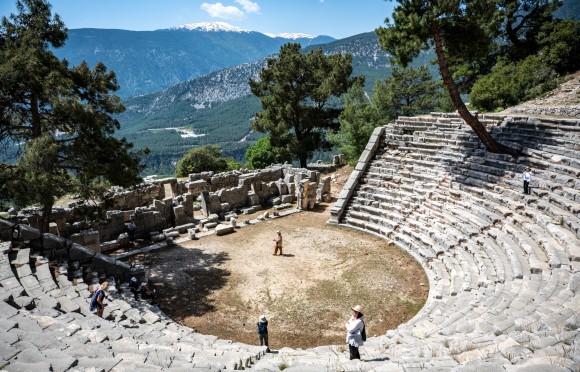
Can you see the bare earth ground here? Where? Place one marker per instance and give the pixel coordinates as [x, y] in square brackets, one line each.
[221, 285]
[566, 96]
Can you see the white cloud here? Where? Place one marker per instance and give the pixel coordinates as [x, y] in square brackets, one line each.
[218, 10]
[249, 6]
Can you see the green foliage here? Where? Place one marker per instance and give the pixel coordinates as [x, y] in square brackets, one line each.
[262, 154]
[511, 83]
[522, 21]
[530, 68]
[39, 169]
[357, 122]
[43, 100]
[406, 92]
[409, 92]
[560, 45]
[466, 26]
[202, 159]
[295, 90]
[467, 36]
[233, 164]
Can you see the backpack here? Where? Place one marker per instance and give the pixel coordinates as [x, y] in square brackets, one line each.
[94, 297]
[262, 329]
[364, 332]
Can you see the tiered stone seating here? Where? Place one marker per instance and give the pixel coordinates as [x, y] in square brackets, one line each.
[503, 266]
[46, 325]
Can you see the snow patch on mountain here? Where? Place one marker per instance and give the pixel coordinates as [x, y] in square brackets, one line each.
[291, 35]
[210, 26]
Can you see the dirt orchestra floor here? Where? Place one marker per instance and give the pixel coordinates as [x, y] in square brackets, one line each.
[221, 285]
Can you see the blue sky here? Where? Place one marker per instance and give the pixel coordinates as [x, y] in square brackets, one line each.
[336, 18]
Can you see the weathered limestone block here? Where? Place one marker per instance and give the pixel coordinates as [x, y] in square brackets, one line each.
[287, 199]
[313, 176]
[248, 210]
[188, 204]
[182, 229]
[159, 206]
[180, 217]
[222, 229]
[6, 229]
[210, 225]
[158, 238]
[197, 187]
[61, 225]
[246, 180]
[253, 199]
[224, 180]
[228, 216]
[300, 176]
[210, 203]
[22, 258]
[236, 197]
[191, 233]
[326, 185]
[26, 232]
[282, 187]
[271, 174]
[200, 176]
[87, 238]
[80, 253]
[173, 234]
[49, 242]
[109, 246]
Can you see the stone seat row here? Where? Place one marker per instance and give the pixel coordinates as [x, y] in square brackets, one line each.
[560, 186]
[496, 213]
[498, 299]
[380, 213]
[150, 341]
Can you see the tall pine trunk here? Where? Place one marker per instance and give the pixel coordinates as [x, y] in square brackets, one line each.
[489, 142]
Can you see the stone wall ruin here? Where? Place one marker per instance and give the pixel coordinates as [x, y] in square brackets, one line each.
[162, 205]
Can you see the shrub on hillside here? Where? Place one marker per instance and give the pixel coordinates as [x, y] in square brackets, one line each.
[512, 83]
[202, 159]
[262, 153]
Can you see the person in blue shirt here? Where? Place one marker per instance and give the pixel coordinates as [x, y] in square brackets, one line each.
[98, 298]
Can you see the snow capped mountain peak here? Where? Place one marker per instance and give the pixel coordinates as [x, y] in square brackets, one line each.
[292, 35]
[210, 26]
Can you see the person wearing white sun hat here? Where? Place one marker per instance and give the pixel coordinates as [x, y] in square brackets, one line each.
[354, 327]
[263, 331]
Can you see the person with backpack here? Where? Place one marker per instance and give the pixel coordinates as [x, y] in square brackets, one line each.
[263, 332]
[97, 299]
[355, 330]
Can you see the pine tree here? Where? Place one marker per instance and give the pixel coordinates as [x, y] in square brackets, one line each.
[465, 35]
[44, 102]
[295, 90]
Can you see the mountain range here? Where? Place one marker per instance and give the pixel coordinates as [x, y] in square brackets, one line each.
[149, 61]
[218, 108]
[188, 85]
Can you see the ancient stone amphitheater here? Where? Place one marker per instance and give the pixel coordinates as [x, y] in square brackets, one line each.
[503, 267]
